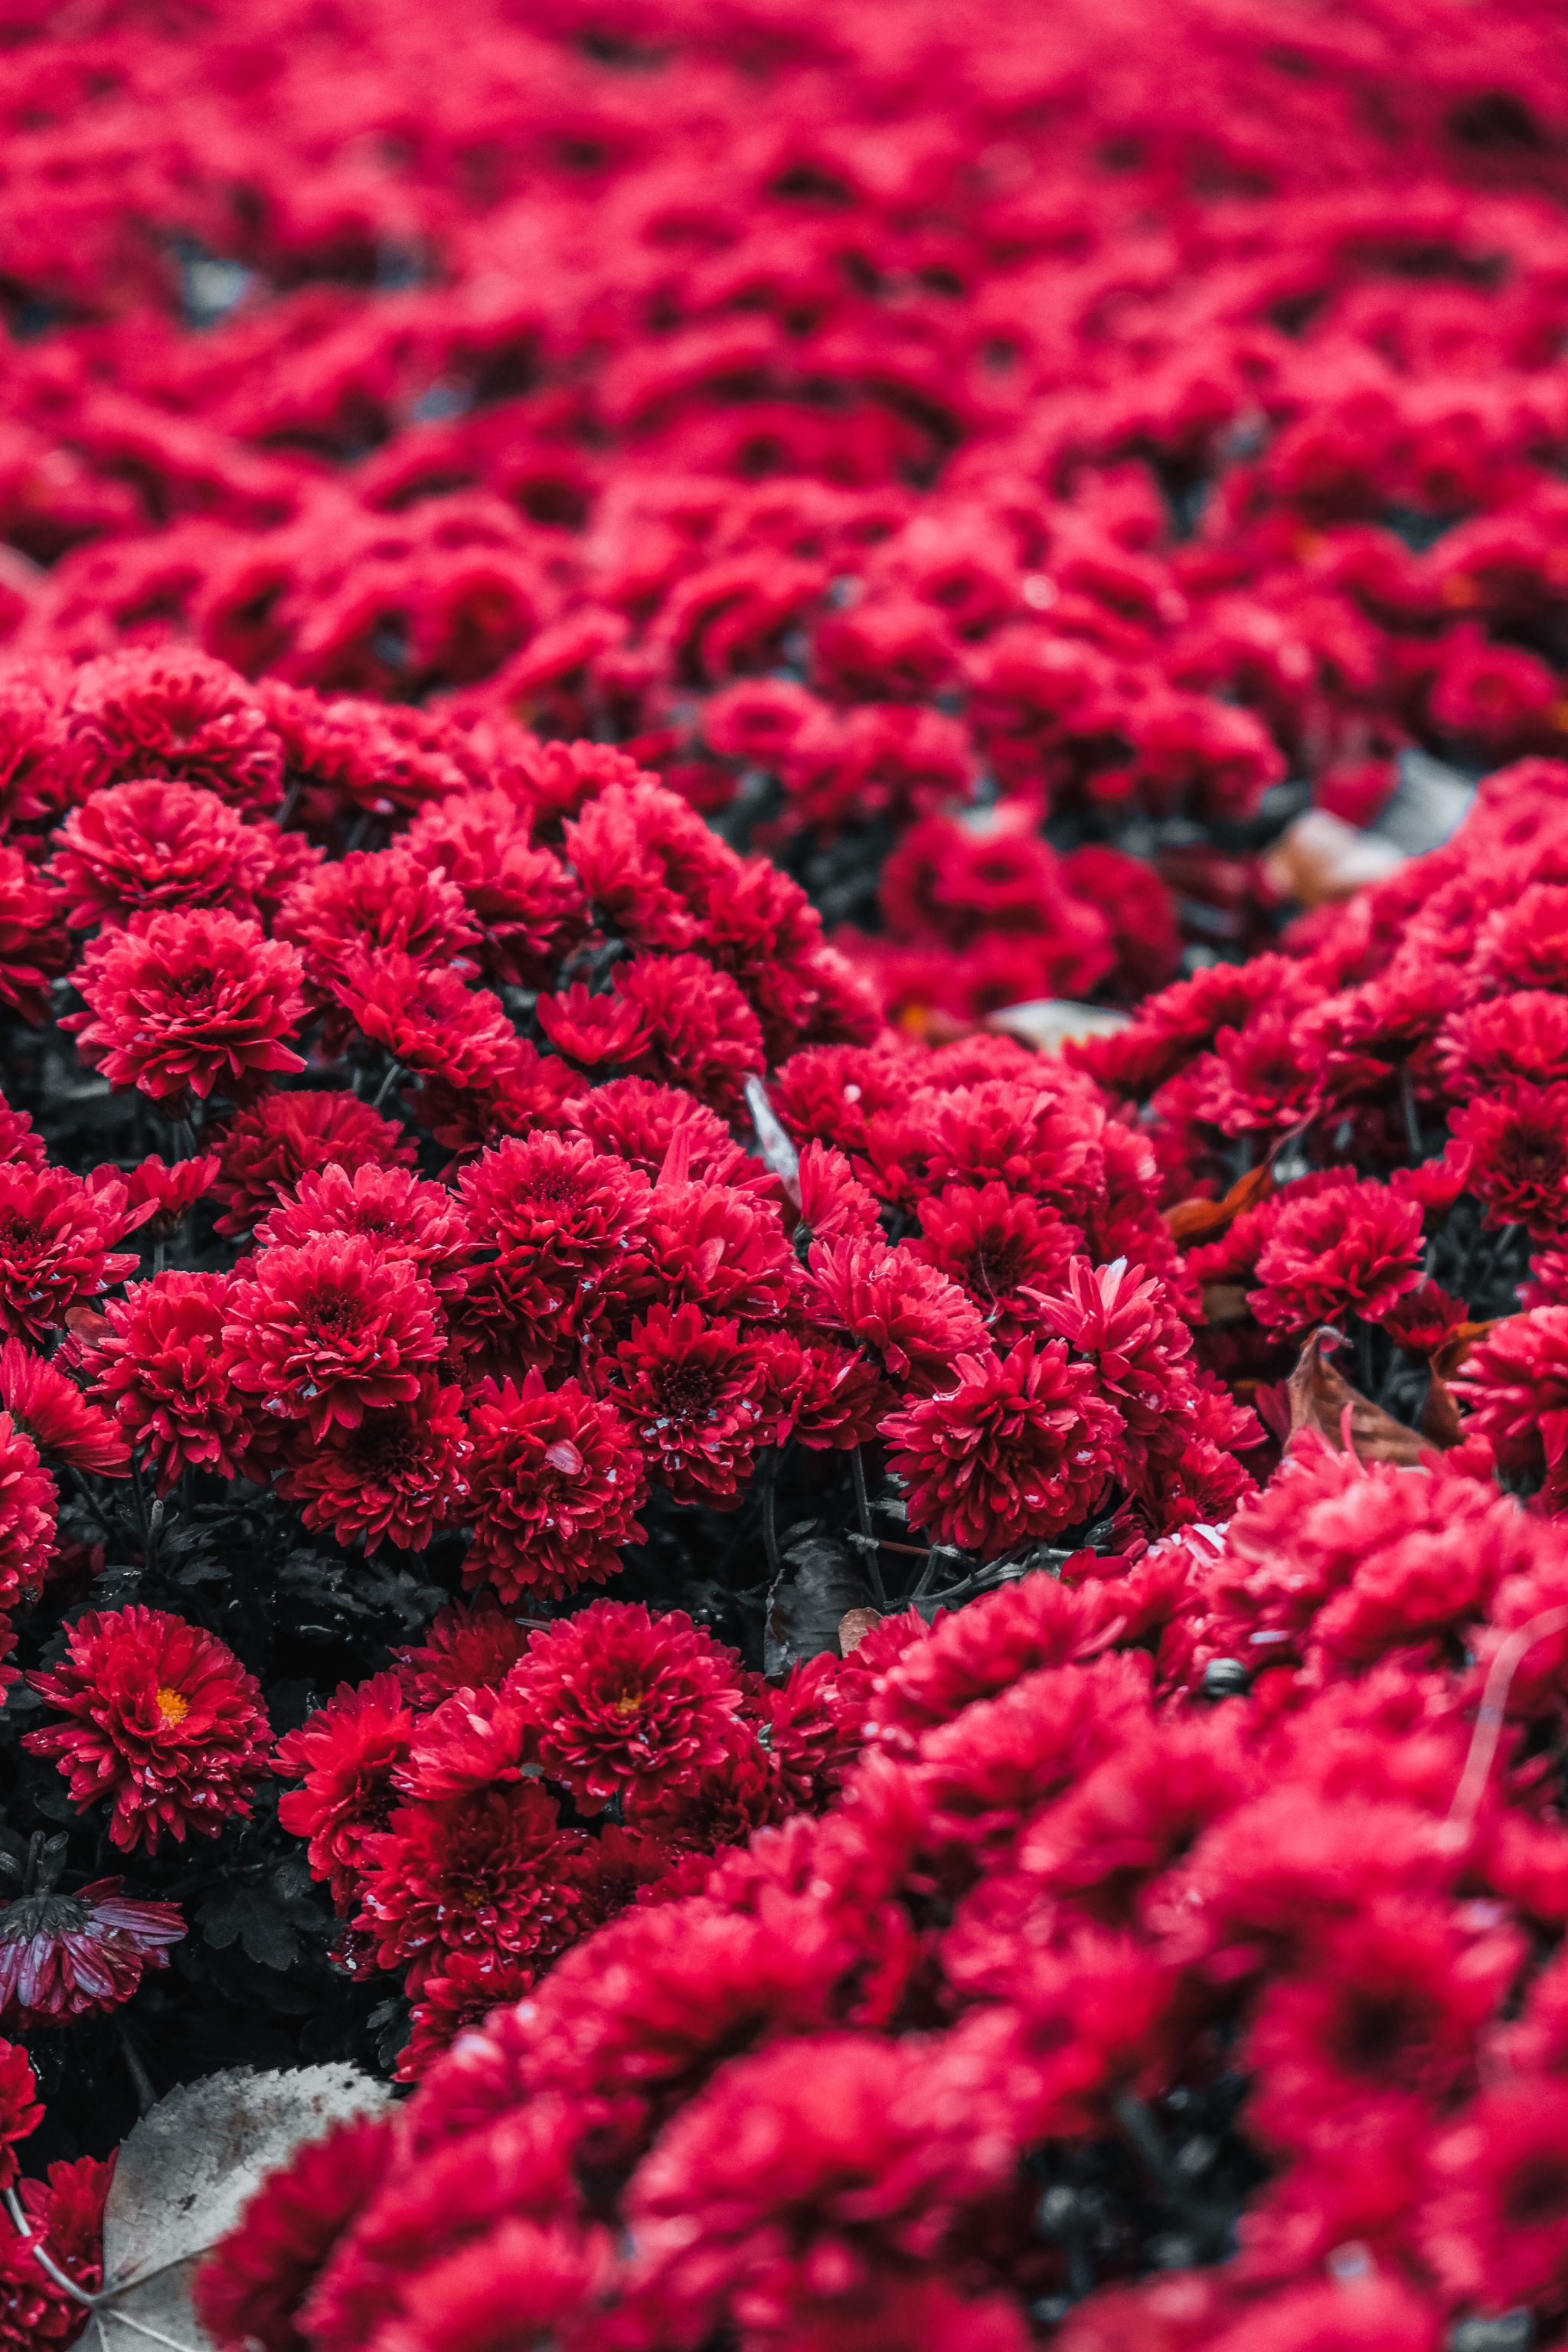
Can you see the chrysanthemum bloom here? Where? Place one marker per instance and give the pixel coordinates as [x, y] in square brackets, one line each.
[563, 1220]
[267, 1149]
[286, 2230]
[1519, 1040]
[178, 1004]
[56, 1237]
[156, 848]
[693, 1392]
[482, 1872]
[823, 1394]
[402, 1215]
[1494, 2224]
[457, 1999]
[1516, 1149]
[28, 1508]
[19, 1140]
[373, 902]
[1257, 1078]
[622, 1701]
[1423, 1318]
[527, 904]
[467, 1646]
[1004, 1131]
[1515, 1387]
[1357, 1248]
[635, 1120]
[66, 2215]
[399, 1471]
[722, 1249]
[1001, 1245]
[65, 1955]
[324, 1333]
[1021, 1448]
[33, 947]
[51, 1410]
[473, 1739]
[555, 1482]
[165, 1371]
[173, 1191]
[170, 711]
[594, 1030]
[1122, 1321]
[428, 1020]
[908, 1319]
[165, 1721]
[702, 1033]
[346, 1755]
[20, 2112]
[644, 857]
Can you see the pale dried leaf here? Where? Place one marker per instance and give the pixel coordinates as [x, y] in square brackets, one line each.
[1318, 1394]
[188, 2169]
[854, 1626]
[1047, 1021]
[163, 2305]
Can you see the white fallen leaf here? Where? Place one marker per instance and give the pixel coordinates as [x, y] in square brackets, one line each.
[185, 2174]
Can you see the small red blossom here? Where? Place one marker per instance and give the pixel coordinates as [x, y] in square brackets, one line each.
[427, 1019]
[622, 1701]
[178, 1004]
[400, 1216]
[555, 1482]
[482, 1872]
[159, 848]
[346, 1755]
[165, 1722]
[28, 1506]
[56, 1246]
[908, 1319]
[271, 1145]
[692, 1390]
[170, 711]
[165, 1371]
[561, 1220]
[593, 1030]
[399, 1473]
[20, 2111]
[1020, 1449]
[51, 1410]
[173, 1191]
[1356, 1248]
[327, 1331]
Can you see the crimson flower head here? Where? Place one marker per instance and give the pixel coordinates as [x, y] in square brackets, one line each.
[66, 1956]
[692, 1390]
[427, 1019]
[563, 1221]
[165, 1721]
[479, 1872]
[164, 1370]
[371, 902]
[168, 711]
[527, 905]
[173, 1191]
[622, 1701]
[911, 1320]
[702, 1034]
[1122, 1320]
[402, 1215]
[325, 1332]
[590, 1030]
[346, 1755]
[1514, 1145]
[56, 1246]
[33, 947]
[400, 1471]
[1020, 1449]
[28, 1506]
[465, 1646]
[1515, 1384]
[1002, 1247]
[271, 1145]
[155, 848]
[556, 1479]
[51, 1410]
[20, 2111]
[1423, 1318]
[178, 1004]
[1356, 1248]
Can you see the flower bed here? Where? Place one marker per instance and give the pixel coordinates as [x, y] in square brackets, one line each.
[912, 1687]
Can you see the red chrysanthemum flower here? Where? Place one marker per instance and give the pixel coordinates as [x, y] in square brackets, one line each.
[825, 1395]
[51, 1410]
[635, 1120]
[346, 1755]
[620, 1701]
[563, 1221]
[398, 1472]
[1356, 1248]
[1122, 1321]
[21, 2113]
[173, 1191]
[906, 1315]
[169, 712]
[166, 1372]
[482, 1872]
[28, 1508]
[56, 1237]
[555, 1482]
[178, 1004]
[157, 848]
[349, 755]
[324, 1333]
[526, 905]
[267, 1149]
[19, 1140]
[401, 1214]
[1423, 1318]
[702, 1034]
[374, 903]
[466, 1648]
[1002, 1247]
[722, 1249]
[34, 949]
[1494, 2224]
[66, 2216]
[1020, 1449]
[456, 1998]
[594, 1030]
[251, 2291]
[1515, 1146]
[1519, 1040]
[1515, 1385]
[164, 1720]
[427, 1020]
[692, 1390]
[66, 1956]
[644, 858]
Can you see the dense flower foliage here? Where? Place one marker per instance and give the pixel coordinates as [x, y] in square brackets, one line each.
[902, 1649]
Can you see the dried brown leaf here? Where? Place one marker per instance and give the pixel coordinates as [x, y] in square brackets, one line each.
[854, 1626]
[1320, 1394]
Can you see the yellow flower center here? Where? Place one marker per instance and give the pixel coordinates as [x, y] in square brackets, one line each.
[628, 1705]
[173, 1705]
